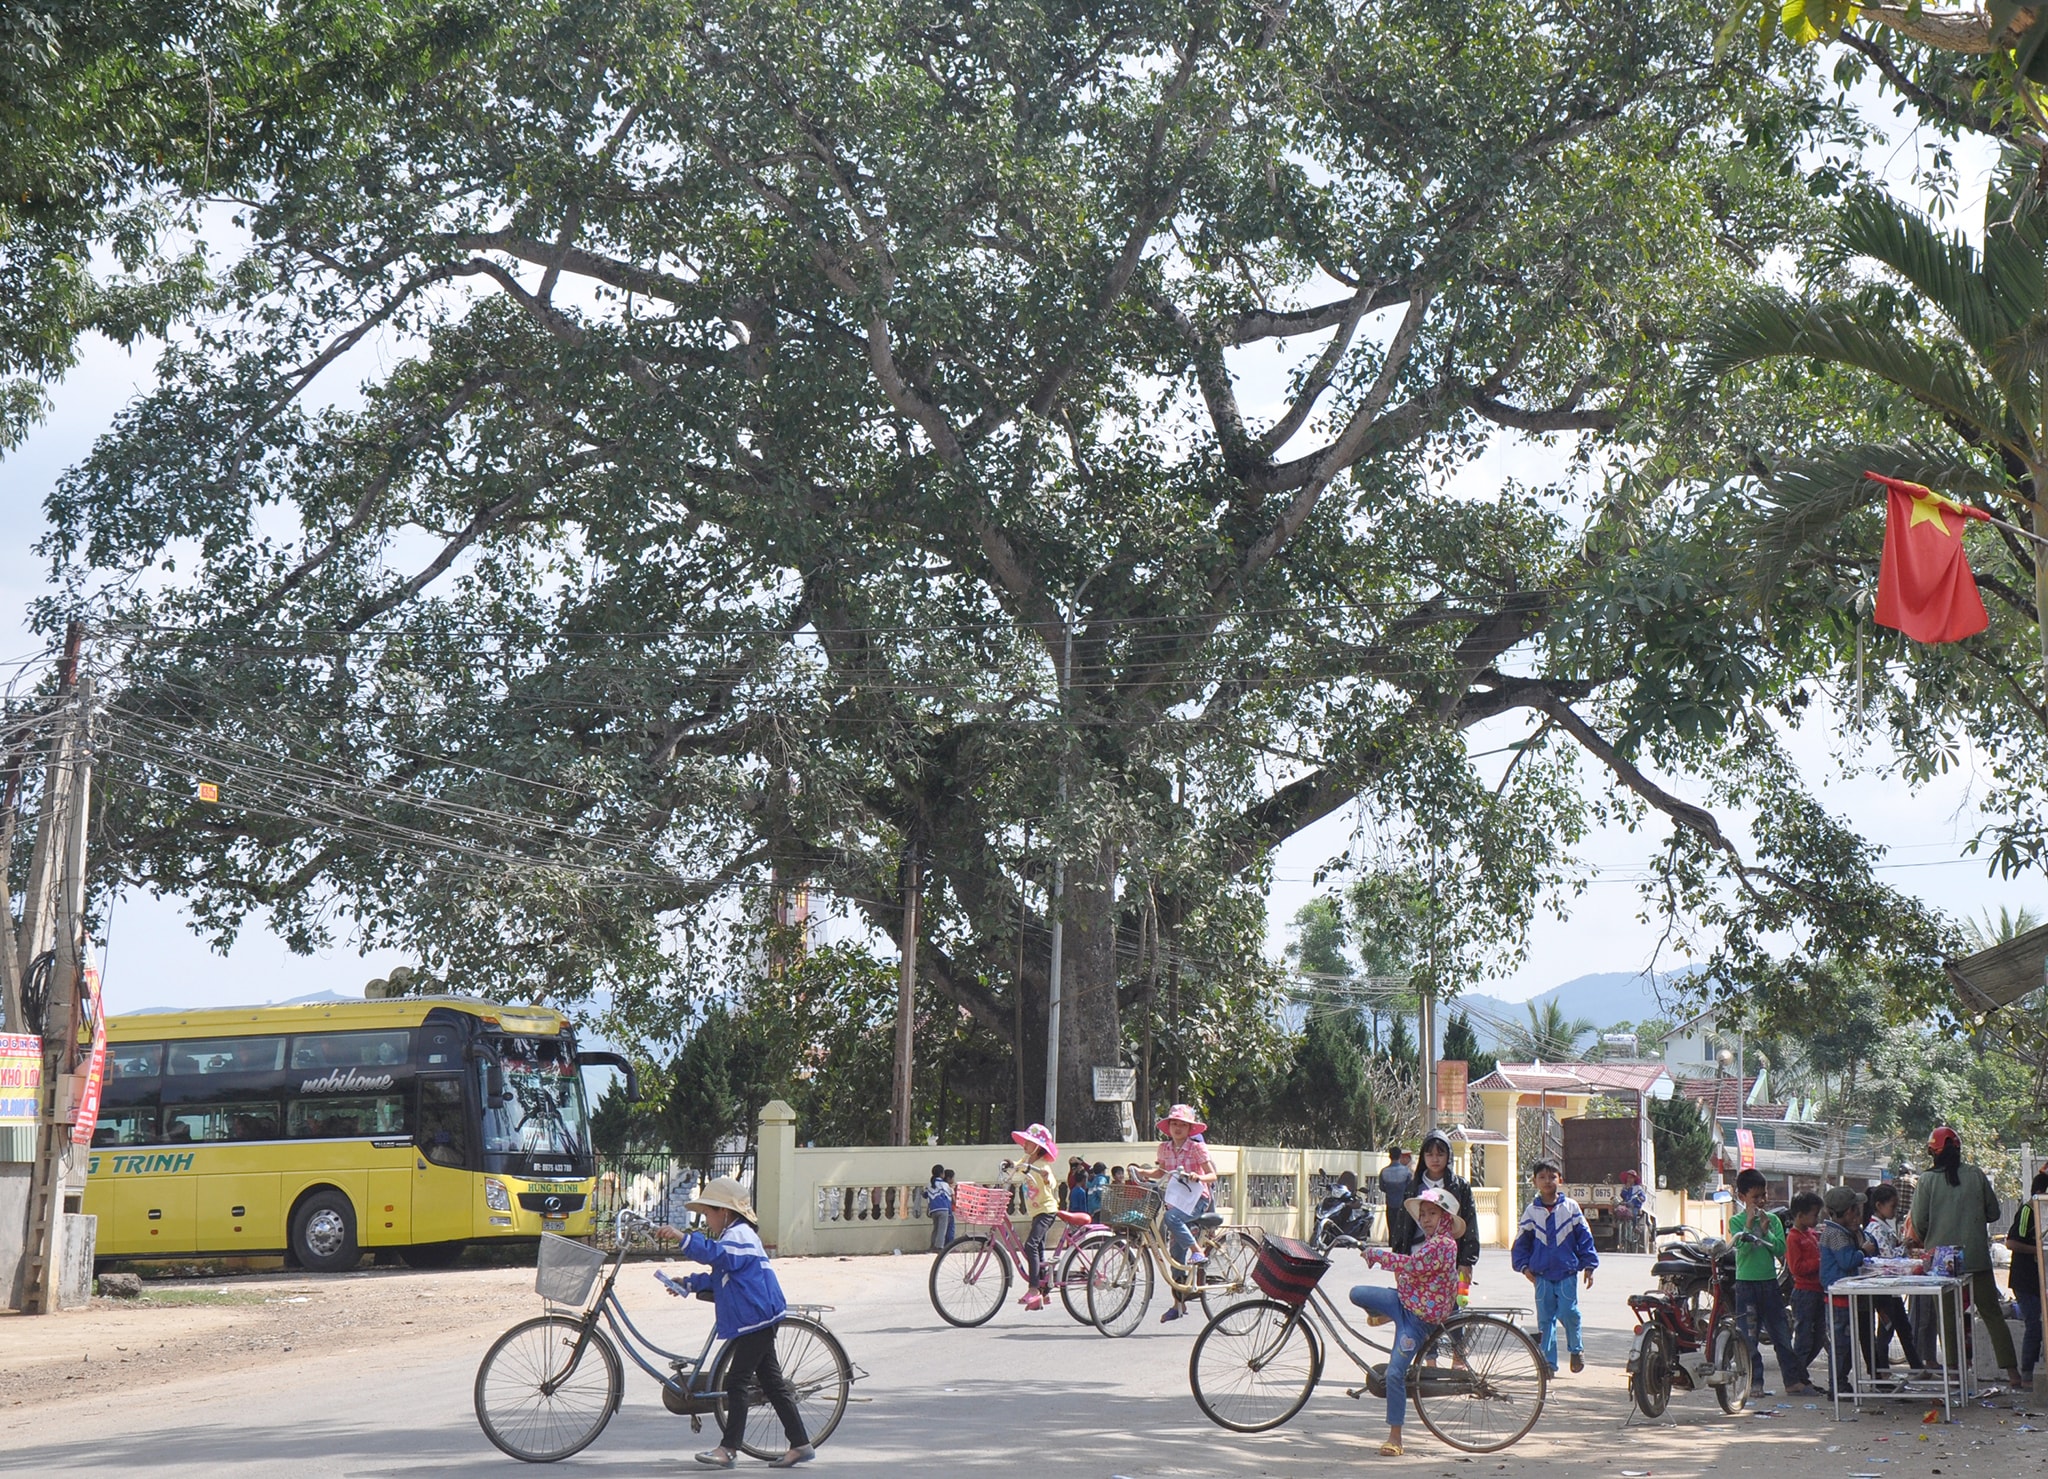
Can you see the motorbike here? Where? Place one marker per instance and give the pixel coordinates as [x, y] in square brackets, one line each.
[1341, 1214]
[1685, 1336]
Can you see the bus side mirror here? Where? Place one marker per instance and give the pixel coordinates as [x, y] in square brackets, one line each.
[614, 1060]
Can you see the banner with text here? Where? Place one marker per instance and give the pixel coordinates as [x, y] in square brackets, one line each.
[21, 1078]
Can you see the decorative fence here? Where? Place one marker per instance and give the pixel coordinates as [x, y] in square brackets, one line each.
[656, 1183]
[871, 1199]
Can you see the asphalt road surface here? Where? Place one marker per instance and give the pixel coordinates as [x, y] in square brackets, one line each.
[1029, 1394]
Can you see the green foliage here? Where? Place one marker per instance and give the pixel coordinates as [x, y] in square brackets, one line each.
[1461, 1042]
[701, 1109]
[1683, 1139]
[1549, 1037]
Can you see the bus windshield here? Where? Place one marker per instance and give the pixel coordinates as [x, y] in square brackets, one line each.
[532, 1097]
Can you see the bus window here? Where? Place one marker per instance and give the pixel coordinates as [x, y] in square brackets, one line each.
[352, 1050]
[444, 1127]
[129, 1126]
[246, 1120]
[135, 1060]
[532, 1098]
[339, 1116]
[227, 1055]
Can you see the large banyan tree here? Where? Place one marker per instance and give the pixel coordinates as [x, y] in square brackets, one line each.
[642, 462]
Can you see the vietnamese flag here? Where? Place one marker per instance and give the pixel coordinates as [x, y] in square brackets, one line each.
[1924, 585]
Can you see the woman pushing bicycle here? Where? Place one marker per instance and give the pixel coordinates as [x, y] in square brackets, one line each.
[748, 1304]
[1182, 1155]
[1425, 1294]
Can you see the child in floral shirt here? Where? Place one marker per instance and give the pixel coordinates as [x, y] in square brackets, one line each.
[1425, 1293]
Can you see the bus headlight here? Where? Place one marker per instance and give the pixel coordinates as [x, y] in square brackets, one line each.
[495, 1196]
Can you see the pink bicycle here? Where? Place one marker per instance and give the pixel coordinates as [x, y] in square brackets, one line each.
[971, 1279]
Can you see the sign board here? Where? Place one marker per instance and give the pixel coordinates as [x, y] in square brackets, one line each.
[21, 1078]
[1116, 1084]
[1452, 1077]
[86, 1109]
[1745, 1144]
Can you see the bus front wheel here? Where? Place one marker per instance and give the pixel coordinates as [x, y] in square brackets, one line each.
[323, 1236]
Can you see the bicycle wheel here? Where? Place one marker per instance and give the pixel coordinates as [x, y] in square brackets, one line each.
[1478, 1383]
[1078, 1270]
[546, 1388]
[969, 1281]
[1650, 1382]
[819, 1376]
[1227, 1276]
[1730, 1370]
[1254, 1365]
[1121, 1290]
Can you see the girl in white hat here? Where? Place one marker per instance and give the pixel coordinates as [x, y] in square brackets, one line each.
[747, 1298]
[1425, 1293]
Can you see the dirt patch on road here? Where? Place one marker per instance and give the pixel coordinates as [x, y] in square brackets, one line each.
[183, 1330]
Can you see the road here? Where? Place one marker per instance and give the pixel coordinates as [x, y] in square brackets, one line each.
[359, 1379]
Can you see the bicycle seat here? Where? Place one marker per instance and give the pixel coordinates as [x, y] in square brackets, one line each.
[1207, 1220]
[1074, 1219]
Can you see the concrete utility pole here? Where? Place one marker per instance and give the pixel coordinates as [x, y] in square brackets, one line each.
[68, 796]
[906, 998]
[1059, 889]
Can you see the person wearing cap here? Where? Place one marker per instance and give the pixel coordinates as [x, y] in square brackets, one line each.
[1843, 1247]
[1041, 1200]
[1182, 1153]
[1952, 1206]
[748, 1309]
[1553, 1247]
[1425, 1294]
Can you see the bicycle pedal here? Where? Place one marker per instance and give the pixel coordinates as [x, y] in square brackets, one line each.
[1354, 1393]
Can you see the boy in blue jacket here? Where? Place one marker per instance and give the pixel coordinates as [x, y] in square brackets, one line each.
[749, 1304]
[1554, 1247]
[1843, 1247]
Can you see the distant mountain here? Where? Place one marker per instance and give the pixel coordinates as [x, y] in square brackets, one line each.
[1605, 998]
[290, 1001]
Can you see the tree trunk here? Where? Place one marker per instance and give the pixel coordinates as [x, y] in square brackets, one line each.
[1090, 1036]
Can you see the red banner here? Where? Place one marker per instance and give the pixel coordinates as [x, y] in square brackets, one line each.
[1452, 1076]
[1745, 1144]
[88, 1109]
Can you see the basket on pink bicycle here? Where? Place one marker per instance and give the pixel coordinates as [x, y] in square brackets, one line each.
[980, 1206]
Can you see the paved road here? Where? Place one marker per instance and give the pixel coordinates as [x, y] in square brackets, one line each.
[1026, 1395]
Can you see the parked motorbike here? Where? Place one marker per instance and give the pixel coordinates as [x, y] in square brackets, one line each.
[1685, 1338]
[1341, 1214]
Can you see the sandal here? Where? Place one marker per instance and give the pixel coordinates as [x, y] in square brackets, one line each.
[799, 1455]
[717, 1458]
[1390, 1450]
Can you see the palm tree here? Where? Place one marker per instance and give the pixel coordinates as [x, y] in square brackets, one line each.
[1550, 1037]
[1967, 340]
[1986, 932]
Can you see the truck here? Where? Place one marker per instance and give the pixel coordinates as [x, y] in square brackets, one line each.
[1596, 1152]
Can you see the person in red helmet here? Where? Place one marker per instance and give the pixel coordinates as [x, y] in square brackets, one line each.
[1951, 1208]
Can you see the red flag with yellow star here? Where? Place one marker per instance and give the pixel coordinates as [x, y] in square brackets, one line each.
[1924, 585]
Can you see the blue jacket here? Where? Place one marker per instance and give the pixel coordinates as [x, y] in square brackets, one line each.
[1841, 1255]
[745, 1292]
[938, 1197]
[1554, 1241]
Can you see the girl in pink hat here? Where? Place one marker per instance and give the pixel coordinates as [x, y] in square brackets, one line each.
[1180, 1152]
[1034, 1174]
[1425, 1293]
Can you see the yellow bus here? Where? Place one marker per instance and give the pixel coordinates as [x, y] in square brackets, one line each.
[322, 1129]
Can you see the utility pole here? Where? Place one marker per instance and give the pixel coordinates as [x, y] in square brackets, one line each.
[60, 848]
[906, 996]
[1059, 889]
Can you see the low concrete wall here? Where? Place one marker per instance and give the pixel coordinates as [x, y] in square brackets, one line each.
[870, 1199]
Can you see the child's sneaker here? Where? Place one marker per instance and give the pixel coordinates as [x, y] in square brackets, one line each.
[1578, 1362]
[1372, 1318]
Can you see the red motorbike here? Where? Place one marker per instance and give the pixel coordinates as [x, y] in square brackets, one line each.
[1685, 1333]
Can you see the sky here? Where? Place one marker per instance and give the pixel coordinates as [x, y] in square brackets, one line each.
[153, 958]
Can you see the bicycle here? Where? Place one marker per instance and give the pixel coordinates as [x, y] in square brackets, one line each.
[970, 1280]
[1478, 1382]
[547, 1387]
[1141, 1255]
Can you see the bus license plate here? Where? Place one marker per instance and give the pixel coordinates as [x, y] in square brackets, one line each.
[553, 1224]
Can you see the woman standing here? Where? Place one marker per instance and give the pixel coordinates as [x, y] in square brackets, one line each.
[1952, 1207]
[1434, 1173]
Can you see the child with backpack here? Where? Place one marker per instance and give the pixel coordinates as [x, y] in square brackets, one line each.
[938, 1200]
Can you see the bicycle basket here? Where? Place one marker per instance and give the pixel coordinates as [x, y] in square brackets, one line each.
[1288, 1270]
[982, 1206]
[1128, 1201]
[566, 1269]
